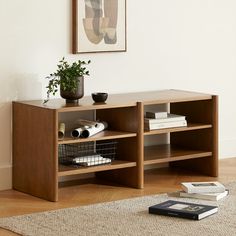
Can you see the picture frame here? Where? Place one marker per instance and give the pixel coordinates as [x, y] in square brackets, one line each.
[98, 26]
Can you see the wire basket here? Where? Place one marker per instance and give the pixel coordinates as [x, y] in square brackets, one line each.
[88, 153]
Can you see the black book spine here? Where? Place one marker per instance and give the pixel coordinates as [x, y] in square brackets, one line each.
[173, 213]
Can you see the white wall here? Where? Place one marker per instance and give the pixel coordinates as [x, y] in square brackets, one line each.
[183, 44]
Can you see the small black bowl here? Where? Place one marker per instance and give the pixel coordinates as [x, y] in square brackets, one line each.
[99, 97]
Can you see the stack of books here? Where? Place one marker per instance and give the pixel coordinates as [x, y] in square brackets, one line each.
[162, 120]
[199, 190]
[212, 191]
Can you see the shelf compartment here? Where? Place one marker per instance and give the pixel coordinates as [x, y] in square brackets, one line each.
[116, 164]
[104, 135]
[168, 153]
[190, 126]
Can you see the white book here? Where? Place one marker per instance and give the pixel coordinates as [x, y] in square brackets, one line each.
[205, 196]
[165, 125]
[169, 118]
[95, 157]
[94, 163]
[203, 187]
[156, 115]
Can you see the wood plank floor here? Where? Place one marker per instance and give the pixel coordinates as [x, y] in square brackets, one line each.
[90, 192]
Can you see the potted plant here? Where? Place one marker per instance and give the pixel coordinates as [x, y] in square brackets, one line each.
[70, 78]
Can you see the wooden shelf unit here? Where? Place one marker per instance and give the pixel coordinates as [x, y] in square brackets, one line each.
[35, 144]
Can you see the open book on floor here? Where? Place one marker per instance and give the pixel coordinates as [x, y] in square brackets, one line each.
[183, 210]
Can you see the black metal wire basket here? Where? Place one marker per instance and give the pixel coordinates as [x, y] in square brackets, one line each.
[87, 153]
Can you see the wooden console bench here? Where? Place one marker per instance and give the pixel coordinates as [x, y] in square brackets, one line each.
[35, 138]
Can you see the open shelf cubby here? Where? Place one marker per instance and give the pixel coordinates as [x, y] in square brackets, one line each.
[167, 153]
[36, 147]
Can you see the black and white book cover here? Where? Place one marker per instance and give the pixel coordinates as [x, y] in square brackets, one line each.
[183, 210]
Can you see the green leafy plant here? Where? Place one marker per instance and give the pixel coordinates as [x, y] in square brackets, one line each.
[66, 76]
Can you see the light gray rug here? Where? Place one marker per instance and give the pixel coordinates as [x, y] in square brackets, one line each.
[126, 217]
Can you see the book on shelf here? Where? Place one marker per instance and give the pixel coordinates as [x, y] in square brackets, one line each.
[169, 118]
[205, 196]
[203, 187]
[165, 125]
[94, 163]
[183, 210]
[156, 115]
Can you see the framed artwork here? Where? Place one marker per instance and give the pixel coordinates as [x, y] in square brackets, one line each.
[98, 26]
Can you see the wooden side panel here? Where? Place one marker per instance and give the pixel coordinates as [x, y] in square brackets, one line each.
[140, 140]
[196, 140]
[35, 150]
[120, 119]
[195, 111]
[130, 149]
[215, 141]
[206, 140]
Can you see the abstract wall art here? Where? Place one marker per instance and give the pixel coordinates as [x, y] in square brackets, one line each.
[98, 26]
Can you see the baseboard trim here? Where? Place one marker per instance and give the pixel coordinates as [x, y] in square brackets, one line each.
[5, 177]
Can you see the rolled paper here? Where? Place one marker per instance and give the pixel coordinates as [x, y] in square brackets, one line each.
[98, 127]
[83, 124]
[78, 131]
[61, 130]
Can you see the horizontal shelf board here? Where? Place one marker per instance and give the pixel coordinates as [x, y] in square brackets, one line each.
[122, 100]
[172, 96]
[104, 135]
[168, 153]
[94, 106]
[190, 126]
[116, 164]
[86, 103]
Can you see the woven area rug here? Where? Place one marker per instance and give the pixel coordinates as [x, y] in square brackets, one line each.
[126, 217]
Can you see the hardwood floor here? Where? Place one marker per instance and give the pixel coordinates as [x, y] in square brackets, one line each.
[90, 192]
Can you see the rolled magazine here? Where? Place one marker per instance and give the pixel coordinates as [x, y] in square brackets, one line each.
[88, 128]
[82, 125]
[61, 130]
[76, 133]
[100, 126]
